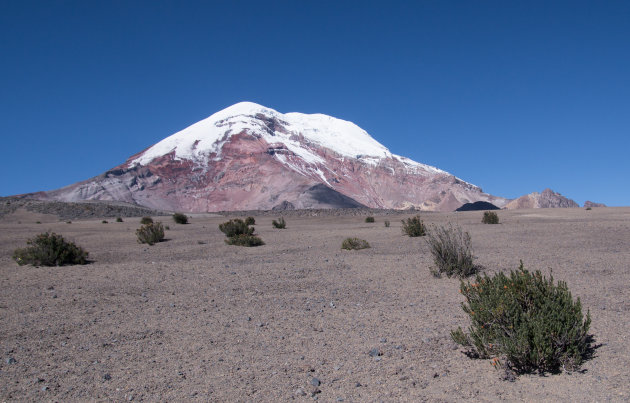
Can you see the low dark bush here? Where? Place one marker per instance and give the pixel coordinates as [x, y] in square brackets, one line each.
[244, 240]
[104, 221]
[452, 252]
[525, 322]
[250, 220]
[180, 218]
[369, 219]
[150, 233]
[235, 227]
[146, 220]
[50, 249]
[280, 223]
[354, 244]
[387, 223]
[240, 233]
[490, 217]
[414, 227]
[119, 219]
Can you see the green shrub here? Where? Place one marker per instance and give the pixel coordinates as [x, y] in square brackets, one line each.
[250, 220]
[104, 222]
[387, 223]
[240, 233]
[244, 240]
[452, 252]
[68, 222]
[150, 233]
[38, 222]
[414, 227]
[180, 218]
[146, 220]
[119, 219]
[589, 208]
[490, 217]
[236, 227]
[280, 223]
[369, 219]
[50, 249]
[354, 244]
[525, 320]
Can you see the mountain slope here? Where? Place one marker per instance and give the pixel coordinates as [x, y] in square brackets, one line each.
[547, 199]
[248, 157]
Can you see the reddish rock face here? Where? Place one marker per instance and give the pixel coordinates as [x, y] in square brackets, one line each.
[248, 157]
[547, 199]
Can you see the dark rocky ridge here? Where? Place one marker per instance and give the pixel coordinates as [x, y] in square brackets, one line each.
[476, 206]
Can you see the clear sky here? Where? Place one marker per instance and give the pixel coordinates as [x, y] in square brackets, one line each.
[512, 96]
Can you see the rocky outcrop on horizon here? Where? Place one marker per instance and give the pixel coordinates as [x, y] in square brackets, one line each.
[546, 199]
[249, 157]
[591, 204]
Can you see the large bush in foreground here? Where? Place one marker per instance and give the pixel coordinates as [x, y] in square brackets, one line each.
[50, 249]
[151, 233]
[452, 252]
[240, 233]
[526, 320]
[414, 227]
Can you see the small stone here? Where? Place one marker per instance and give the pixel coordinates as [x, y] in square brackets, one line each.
[337, 367]
[300, 392]
[315, 382]
[45, 388]
[130, 397]
[377, 359]
[375, 352]
[11, 360]
[358, 385]
[107, 377]
[383, 340]
[340, 399]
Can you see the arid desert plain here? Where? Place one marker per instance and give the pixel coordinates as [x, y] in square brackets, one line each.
[194, 319]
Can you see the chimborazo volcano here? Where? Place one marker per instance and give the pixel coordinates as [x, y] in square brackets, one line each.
[249, 157]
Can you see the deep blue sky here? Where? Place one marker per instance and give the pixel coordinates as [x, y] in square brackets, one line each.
[513, 96]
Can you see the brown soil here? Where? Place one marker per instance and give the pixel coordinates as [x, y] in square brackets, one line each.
[195, 319]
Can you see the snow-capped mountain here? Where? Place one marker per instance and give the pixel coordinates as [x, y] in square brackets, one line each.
[252, 157]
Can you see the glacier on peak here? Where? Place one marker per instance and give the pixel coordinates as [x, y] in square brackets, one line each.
[199, 140]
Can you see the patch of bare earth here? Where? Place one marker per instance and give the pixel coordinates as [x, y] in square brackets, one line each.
[195, 319]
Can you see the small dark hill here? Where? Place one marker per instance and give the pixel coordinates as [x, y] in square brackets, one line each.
[478, 205]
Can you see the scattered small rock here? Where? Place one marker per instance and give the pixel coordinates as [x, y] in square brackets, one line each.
[300, 392]
[375, 352]
[383, 340]
[107, 377]
[315, 382]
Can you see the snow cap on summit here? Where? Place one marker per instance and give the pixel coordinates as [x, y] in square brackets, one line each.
[199, 140]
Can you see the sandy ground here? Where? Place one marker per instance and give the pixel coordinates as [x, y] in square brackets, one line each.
[195, 319]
